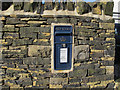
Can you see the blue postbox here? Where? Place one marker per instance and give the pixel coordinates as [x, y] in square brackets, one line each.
[63, 47]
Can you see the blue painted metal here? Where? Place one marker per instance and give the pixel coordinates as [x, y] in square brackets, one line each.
[62, 35]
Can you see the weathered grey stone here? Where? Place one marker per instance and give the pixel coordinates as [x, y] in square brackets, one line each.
[82, 52]
[11, 35]
[85, 19]
[28, 7]
[31, 32]
[97, 8]
[98, 55]
[73, 20]
[83, 7]
[57, 5]
[78, 73]
[31, 60]
[43, 82]
[109, 26]
[22, 66]
[0, 5]
[74, 80]
[8, 66]
[39, 7]
[96, 72]
[58, 81]
[72, 86]
[70, 6]
[59, 75]
[18, 5]
[109, 8]
[99, 78]
[109, 69]
[85, 66]
[82, 30]
[18, 48]
[92, 25]
[7, 42]
[62, 20]
[10, 29]
[36, 50]
[13, 60]
[8, 82]
[110, 85]
[14, 53]
[36, 61]
[14, 21]
[51, 20]
[43, 42]
[43, 35]
[27, 82]
[6, 5]
[35, 25]
[48, 6]
[107, 63]
[18, 42]
[110, 52]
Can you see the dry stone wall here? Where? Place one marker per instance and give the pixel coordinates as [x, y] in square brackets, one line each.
[81, 7]
[26, 53]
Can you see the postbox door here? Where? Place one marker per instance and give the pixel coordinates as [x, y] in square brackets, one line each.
[63, 57]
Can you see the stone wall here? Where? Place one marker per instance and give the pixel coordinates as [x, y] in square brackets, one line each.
[80, 6]
[26, 53]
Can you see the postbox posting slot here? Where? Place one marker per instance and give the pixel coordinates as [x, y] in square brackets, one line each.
[63, 33]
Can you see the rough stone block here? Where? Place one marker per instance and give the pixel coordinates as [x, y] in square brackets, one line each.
[97, 9]
[18, 48]
[44, 42]
[82, 52]
[28, 7]
[48, 6]
[109, 69]
[43, 82]
[107, 63]
[11, 35]
[14, 21]
[109, 8]
[57, 5]
[28, 35]
[74, 80]
[70, 6]
[110, 52]
[26, 82]
[73, 20]
[44, 35]
[83, 7]
[36, 50]
[18, 6]
[72, 86]
[85, 66]
[10, 29]
[98, 55]
[36, 61]
[109, 26]
[59, 75]
[63, 20]
[51, 20]
[96, 72]
[18, 42]
[58, 81]
[78, 73]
